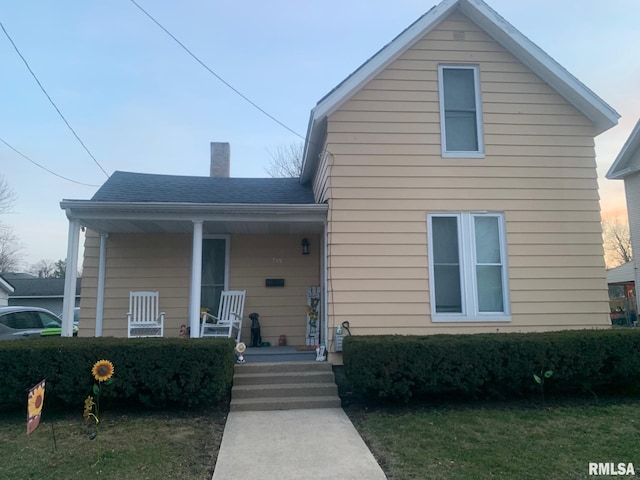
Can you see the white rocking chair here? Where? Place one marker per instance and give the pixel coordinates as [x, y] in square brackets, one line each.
[229, 317]
[144, 318]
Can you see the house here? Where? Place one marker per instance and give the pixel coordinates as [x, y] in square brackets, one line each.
[622, 301]
[448, 186]
[46, 293]
[626, 166]
[6, 289]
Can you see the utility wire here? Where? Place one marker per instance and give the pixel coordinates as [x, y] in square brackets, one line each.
[244, 97]
[51, 101]
[45, 168]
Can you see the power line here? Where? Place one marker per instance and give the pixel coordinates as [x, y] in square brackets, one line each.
[244, 97]
[45, 168]
[51, 101]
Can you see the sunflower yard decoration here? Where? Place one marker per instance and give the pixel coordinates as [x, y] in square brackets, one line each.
[102, 372]
[34, 406]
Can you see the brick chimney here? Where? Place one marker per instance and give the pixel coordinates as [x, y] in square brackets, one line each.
[220, 158]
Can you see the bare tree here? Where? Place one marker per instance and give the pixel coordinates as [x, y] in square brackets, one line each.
[43, 268]
[286, 161]
[7, 196]
[616, 240]
[10, 245]
[10, 248]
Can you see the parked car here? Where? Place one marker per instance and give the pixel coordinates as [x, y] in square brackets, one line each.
[76, 316]
[24, 322]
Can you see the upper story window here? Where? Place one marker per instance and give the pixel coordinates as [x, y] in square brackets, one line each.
[460, 111]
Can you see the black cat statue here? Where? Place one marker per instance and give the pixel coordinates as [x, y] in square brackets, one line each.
[256, 338]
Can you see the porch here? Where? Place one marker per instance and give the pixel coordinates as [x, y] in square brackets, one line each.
[258, 249]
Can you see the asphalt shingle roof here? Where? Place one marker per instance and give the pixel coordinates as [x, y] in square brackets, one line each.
[40, 287]
[145, 187]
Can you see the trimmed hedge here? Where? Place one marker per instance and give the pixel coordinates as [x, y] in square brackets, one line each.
[497, 365]
[150, 372]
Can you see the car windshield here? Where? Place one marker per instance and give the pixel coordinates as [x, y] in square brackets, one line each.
[49, 321]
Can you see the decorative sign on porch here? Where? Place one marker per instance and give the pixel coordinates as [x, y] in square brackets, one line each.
[313, 315]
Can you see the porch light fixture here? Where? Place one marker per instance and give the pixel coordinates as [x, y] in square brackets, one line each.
[305, 246]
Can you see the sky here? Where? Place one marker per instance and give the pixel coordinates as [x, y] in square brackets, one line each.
[140, 103]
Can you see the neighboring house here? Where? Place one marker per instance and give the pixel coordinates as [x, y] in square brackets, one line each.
[448, 186]
[40, 292]
[6, 289]
[626, 166]
[622, 298]
[621, 275]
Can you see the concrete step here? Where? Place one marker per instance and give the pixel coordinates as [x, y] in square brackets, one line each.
[284, 403]
[284, 390]
[283, 377]
[277, 367]
[284, 386]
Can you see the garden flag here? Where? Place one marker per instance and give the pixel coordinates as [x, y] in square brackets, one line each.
[34, 406]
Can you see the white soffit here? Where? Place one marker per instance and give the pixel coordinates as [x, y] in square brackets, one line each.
[621, 165]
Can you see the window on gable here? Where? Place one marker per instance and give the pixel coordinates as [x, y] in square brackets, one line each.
[460, 111]
[467, 268]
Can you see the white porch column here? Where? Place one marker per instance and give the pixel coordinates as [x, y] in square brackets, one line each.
[196, 279]
[70, 277]
[102, 264]
[325, 287]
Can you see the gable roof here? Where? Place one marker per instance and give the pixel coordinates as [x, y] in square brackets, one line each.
[568, 86]
[623, 164]
[5, 285]
[152, 188]
[621, 274]
[41, 287]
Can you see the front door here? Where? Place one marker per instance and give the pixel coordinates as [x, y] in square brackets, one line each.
[214, 272]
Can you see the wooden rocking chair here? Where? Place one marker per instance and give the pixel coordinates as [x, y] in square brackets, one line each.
[229, 319]
[144, 318]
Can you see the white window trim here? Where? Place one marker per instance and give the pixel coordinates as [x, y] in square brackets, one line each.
[479, 131]
[468, 287]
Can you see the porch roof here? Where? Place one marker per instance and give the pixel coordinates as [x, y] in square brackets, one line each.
[146, 187]
[149, 203]
[169, 217]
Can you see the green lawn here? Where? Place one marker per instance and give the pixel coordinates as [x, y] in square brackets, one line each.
[554, 442]
[131, 446]
[516, 441]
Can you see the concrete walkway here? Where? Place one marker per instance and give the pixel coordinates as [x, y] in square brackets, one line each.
[317, 444]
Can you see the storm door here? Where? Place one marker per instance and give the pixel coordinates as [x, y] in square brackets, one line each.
[214, 272]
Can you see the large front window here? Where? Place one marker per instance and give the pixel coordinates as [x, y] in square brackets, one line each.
[467, 268]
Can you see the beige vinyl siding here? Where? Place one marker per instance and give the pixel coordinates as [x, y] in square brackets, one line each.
[162, 262]
[282, 310]
[136, 262]
[321, 187]
[387, 174]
